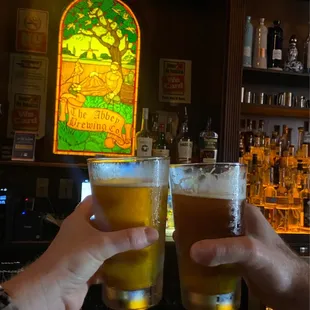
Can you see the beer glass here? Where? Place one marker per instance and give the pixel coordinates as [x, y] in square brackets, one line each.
[131, 192]
[208, 203]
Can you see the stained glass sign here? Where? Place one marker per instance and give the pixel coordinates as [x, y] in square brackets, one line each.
[98, 70]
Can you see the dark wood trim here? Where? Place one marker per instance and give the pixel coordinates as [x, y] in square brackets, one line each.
[231, 107]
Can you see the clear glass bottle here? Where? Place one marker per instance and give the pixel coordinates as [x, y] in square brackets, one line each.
[208, 144]
[144, 141]
[248, 43]
[256, 184]
[281, 214]
[307, 53]
[184, 143]
[305, 198]
[295, 208]
[270, 199]
[155, 128]
[300, 141]
[260, 46]
[160, 147]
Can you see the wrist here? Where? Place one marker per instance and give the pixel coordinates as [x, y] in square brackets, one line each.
[33, 289]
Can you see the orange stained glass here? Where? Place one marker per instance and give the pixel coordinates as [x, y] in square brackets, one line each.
[97, 79]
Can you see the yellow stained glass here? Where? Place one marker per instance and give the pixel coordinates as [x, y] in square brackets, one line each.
[97, 79]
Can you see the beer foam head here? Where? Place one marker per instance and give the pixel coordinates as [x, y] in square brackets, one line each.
[196, 181]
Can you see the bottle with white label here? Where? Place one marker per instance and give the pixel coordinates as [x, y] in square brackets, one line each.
[260, 46]
[144, 140]
[248, 43]
[160, 147]
[184, 143]
[275, 46]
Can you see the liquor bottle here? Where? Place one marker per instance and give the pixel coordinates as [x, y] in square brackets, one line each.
[256, 188]
[293, 64]
[284, 139]
[260, 47]
[248, 43]
[307, 53]
[295, 208]
[299, 175]
[208, 144]
[249, 136]
[258, 150]
[292, 160]
[305, 197]
[300, 141]
[281, 214]
[143, 137]
[184, 143]
[270, 198]
[170, 141]
[155, 127]
[275, 46]
[260, 132]
[160, 147]
[307, 136]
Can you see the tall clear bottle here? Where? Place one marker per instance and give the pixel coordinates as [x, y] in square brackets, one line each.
[270, 199]
[307, 53]
[248, 43]
[144, 139]
[260, 46]
[275, 46]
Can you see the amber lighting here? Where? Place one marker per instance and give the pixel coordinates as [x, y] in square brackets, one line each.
[97, 79]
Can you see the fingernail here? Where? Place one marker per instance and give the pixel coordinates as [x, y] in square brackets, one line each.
[151, 234]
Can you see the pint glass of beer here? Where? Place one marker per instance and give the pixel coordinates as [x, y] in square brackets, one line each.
[131, 192]
[208, 203]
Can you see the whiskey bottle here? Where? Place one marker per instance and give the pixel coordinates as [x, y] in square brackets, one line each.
[305, 197]
[144, 139]
[295, 208]
[160, 147]
[270, 199]
[281, 214]
[275, 46]
[256, 188]
[170, 140]
[208, 144]
[184, 143]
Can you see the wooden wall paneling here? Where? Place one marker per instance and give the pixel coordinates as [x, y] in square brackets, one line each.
[229, 137]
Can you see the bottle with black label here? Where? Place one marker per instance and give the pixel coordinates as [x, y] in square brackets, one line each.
[184, 143]
[305, 197]
[160, 147]
[143, 137]
[275, 46]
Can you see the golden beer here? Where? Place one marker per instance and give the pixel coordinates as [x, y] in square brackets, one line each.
[206, 208]
[131, 192]
[133, 205]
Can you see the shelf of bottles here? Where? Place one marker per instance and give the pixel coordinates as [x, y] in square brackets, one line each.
[278, 176]
[263, 49]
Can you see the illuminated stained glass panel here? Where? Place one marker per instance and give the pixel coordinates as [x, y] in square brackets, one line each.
[98, 63]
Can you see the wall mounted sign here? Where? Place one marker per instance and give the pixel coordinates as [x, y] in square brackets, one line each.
[175, 81]
[24, 146]
[27, 94]
[32, 31]
[97, 82]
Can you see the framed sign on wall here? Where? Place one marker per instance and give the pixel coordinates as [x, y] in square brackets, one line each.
[97, 80]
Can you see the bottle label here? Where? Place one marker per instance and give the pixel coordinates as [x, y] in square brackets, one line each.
[208, 156]
[277, 54]
[271, 200]
[306, 203]
[247, 51]
[282, 200]
[144, 147]
[262, 53]
[160, 153]
[185, 150]
[297, 202]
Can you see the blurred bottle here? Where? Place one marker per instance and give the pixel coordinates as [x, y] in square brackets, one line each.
[144, 141]
[208, 144]
[248, 43]
[260, 46]
[275, 46]
[160, 147]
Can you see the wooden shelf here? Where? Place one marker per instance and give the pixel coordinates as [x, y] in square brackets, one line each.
[273, 77]
[42, 164]
[276, 111]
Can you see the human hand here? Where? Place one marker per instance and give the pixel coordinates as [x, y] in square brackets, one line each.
[276, 275]
[60, 278]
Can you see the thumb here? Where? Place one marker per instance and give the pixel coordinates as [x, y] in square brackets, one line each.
[246, 251]
[111, 243]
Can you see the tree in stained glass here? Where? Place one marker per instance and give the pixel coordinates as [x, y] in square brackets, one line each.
[98, 62]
